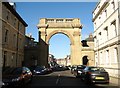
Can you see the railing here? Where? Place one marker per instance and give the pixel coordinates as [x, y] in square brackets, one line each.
[59, 20]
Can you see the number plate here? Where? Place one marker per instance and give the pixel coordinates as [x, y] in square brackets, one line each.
[99, 77]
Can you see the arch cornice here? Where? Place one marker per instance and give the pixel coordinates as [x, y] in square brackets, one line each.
[60, 31]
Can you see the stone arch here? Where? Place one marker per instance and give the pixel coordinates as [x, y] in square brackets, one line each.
[71, 27]
[60, 31]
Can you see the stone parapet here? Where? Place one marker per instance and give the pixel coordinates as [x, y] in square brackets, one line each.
[60, 23]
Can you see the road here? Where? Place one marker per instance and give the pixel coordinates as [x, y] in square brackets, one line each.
[63, 79]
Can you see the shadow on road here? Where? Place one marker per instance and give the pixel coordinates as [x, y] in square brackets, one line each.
[54, 81]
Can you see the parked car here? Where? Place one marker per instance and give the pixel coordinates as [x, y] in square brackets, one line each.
[93, 74]
[16, 76]
[78, 70]
[39, 70]
[69, 67]
[49, 70]
[73, 68]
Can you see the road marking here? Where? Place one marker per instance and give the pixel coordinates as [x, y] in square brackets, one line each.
[57, 79]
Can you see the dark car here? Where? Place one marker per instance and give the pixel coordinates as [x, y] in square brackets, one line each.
[48, 70]
[73, 68]
[16, 76]
[93, 74]
[78, 70]
[40, 70]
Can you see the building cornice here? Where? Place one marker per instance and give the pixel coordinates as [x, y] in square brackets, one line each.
[96, 6]
[59, 23]
[103, 6]
[109, 45]
[87, 49]
[105, 20]
[15, 13]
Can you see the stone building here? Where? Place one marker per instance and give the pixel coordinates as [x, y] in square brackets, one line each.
[64, 61]
[31, 51]
[88, 51]
[106, 21]
[13, 36]
[61, 61]
[52, 61]
[68, 63]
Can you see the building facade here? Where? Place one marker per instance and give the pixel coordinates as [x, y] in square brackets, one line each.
[31, 51]
[88, 51]
[68, 63]
[106, 21]
[61, 61]
[13, 36]
[64, 61]
[52, 61]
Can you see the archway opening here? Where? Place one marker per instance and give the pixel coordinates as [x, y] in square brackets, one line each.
[59, 50]
[85, 60]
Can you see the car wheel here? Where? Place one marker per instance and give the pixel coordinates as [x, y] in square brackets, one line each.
[76, 76]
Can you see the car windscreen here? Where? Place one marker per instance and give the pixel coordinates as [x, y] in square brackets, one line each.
[39, 68]
[17, 71]
[80, 67]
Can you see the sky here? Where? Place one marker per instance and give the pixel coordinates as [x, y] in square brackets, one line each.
[31, 12]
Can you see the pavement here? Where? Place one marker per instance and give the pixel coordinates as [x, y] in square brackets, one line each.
[115, 81]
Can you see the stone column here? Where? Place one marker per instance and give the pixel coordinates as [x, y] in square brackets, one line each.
[76, 48]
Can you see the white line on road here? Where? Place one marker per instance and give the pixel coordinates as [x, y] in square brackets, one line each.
[57, 79]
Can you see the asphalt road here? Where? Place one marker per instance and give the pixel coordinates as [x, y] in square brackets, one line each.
[62, 79]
